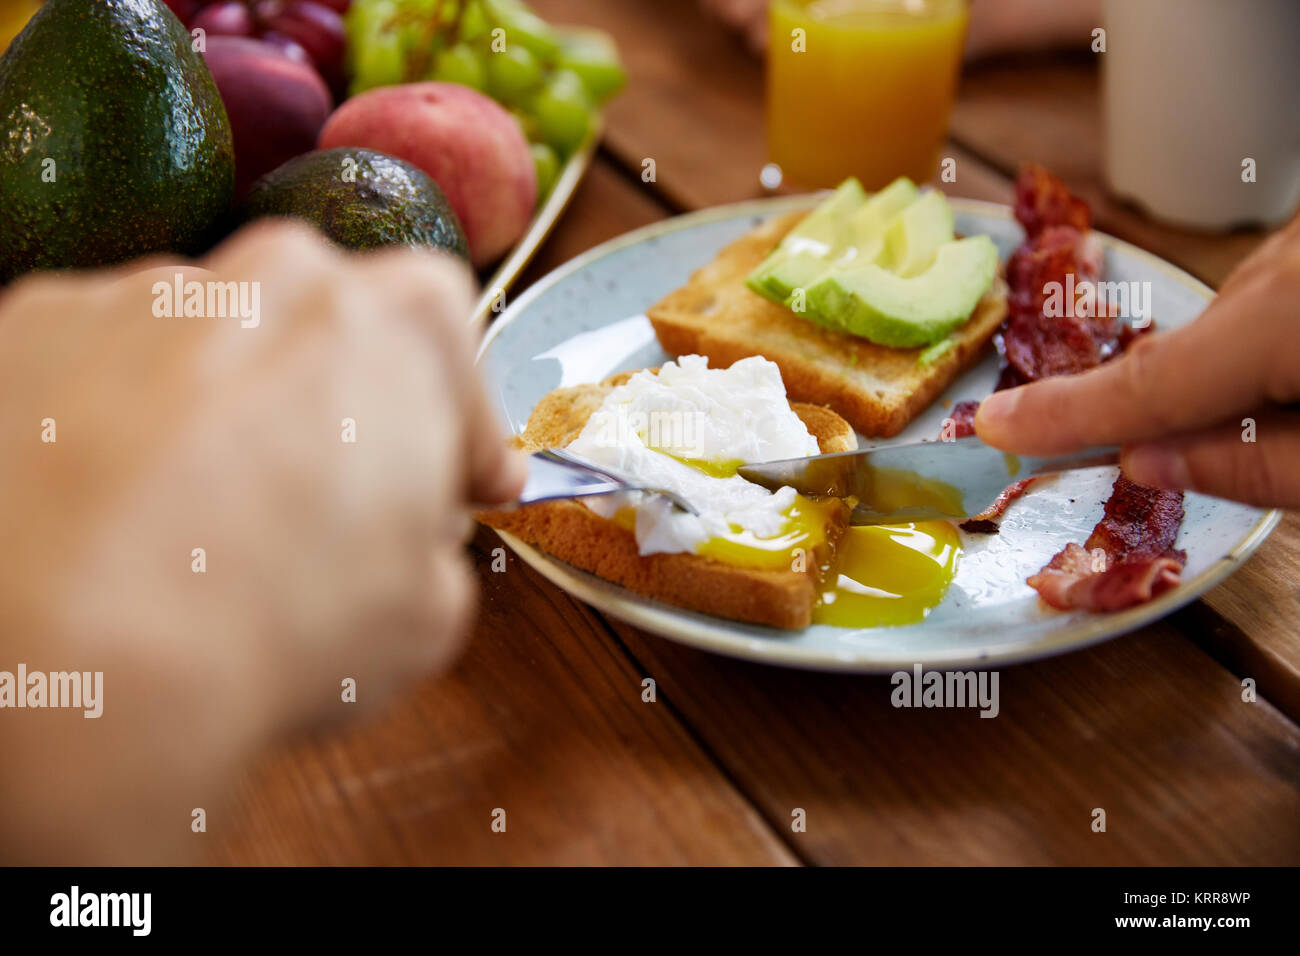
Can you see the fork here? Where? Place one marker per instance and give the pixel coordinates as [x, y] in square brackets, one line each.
[555, 473]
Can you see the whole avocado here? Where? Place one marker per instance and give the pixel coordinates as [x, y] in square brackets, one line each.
[360, 199]
[114, 141]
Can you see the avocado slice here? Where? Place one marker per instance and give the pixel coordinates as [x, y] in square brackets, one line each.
[360, 199]
[114, 141]
[915, 234]
[824, 229]
[871, 219]
[801, 255]
[847, 228]
[907, 312]
[777, 279]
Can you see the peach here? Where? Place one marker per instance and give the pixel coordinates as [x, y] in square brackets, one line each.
[465, 141]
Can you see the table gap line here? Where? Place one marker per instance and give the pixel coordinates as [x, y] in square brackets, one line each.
[707, 749]
[631, 171]
[1232, 649]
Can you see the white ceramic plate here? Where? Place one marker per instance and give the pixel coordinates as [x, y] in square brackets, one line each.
[586, 321]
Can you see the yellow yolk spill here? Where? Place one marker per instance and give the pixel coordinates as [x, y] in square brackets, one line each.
[714, 469]
[888, 575]
[801, 545]
[877, 575]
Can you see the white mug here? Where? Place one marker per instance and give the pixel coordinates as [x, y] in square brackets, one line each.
[1201, 100]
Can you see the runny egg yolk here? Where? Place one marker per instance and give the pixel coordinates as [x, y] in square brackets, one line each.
[888, 575]
[875, 576]
[803, 544]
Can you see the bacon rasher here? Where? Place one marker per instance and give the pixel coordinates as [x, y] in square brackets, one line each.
[1129, 558]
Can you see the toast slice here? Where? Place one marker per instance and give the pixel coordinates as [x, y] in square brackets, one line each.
[578, 536]
[877, 388]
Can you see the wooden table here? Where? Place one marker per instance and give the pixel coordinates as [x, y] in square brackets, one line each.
[544, 718]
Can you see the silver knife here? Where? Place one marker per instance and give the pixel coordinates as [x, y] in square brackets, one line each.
[936, 480]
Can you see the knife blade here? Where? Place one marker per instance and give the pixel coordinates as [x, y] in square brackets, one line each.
[936, 480]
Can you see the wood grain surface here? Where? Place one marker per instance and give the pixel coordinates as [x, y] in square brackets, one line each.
[544, 716]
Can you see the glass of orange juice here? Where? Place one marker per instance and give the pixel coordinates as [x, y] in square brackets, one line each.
[861, 87]
[14, 15]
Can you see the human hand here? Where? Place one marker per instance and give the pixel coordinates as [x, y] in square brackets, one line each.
[330, 550]
[1179, 402]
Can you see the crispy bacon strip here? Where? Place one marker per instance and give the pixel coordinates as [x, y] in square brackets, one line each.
[1072, 581]
[1043, 200]
[1049, 330]
[963, 419]
[986, 522]
[1128, 559]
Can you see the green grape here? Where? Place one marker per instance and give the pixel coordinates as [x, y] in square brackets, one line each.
[377, 62]
[473, 23]
[563, 111]
[548, 169]
[527, 125]
[593, 55]
[512, 74]
[462, 65]
[525, 28]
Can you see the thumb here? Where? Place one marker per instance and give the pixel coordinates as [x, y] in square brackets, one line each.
[1257, 463]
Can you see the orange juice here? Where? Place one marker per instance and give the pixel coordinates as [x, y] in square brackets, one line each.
[861, 87]
[14, 15]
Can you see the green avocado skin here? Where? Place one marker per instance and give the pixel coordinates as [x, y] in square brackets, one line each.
[360, 199]
[113, 92]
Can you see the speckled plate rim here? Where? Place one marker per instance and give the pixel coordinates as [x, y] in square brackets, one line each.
[725, 637]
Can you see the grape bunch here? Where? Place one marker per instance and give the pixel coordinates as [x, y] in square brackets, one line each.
[551, 80]
[310, 31]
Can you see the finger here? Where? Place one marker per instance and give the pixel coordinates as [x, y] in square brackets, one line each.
[434, 290]
[1235, 357]
[1283, 244]
[1257, 464]
[438, 292]
[269, 244]
[497, 472]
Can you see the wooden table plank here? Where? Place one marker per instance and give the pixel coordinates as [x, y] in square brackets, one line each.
[607, 204]
[1250, 621]
[544, 718]
[1147, 728]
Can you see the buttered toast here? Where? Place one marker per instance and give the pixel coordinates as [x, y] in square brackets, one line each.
[576, 535]
[878, 389]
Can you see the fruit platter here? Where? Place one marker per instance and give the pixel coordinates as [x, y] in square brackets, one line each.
[461, 125]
